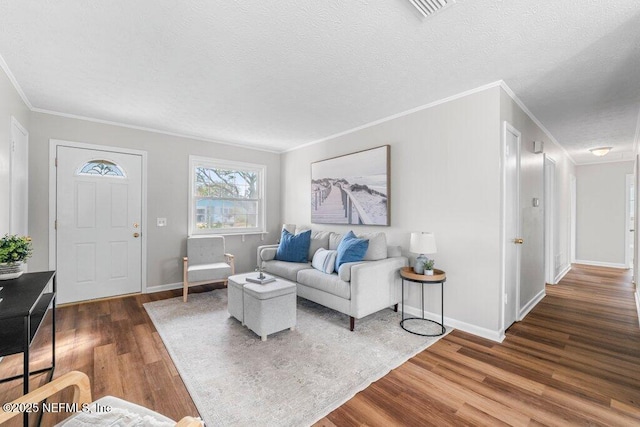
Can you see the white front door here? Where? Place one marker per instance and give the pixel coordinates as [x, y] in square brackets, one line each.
[512, 223]
[99, 210]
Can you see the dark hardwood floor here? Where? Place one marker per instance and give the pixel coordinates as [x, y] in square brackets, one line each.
[574, 360]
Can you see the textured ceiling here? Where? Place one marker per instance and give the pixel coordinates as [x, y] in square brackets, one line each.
[281, 74]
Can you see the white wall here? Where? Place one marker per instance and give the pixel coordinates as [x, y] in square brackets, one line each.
[10, 105]
[445, 178]
[532, 280]
[167, 194]
[601, 216]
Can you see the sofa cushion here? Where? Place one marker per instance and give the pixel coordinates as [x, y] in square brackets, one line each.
[319, 239]
[377, 246]
[329, 283]
[284, 269]
[324, 260]
[294, 247]
[351, 249]
[334, 240]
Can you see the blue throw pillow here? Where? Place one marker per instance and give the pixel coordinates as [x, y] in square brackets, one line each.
[351, 249]
[294, 247]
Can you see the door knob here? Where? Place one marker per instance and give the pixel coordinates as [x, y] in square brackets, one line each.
[518, 241]
[136, 235]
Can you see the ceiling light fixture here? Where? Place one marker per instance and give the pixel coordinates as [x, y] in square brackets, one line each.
[429, 7]
[600, 151]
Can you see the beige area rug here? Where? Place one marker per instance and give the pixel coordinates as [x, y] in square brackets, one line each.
[294, 378]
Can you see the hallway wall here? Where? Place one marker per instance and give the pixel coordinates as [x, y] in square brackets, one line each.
[601, 218]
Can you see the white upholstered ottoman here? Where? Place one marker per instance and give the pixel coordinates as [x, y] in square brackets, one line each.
[270, 308]
[235, 295]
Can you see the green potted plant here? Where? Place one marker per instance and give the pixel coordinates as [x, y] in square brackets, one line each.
[14, 250]
[428, 267]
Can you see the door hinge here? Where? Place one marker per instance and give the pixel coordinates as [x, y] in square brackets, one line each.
[13, 145]
[55, 162]
[55, 224]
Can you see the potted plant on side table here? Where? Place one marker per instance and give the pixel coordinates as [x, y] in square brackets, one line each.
[428, 267]
[14, 250]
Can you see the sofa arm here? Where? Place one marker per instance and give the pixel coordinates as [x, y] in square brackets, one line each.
[266, 253]
[375, 285]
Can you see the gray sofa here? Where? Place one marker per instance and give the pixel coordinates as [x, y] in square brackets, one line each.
[358, 289]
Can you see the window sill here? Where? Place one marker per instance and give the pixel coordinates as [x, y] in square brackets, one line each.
[242, 234]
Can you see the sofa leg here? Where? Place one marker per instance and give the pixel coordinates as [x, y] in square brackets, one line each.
[352, 323]
[395, 308]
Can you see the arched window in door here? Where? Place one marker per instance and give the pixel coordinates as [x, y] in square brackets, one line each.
[101, 168]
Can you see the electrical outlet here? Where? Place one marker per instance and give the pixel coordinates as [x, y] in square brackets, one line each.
[161, 222]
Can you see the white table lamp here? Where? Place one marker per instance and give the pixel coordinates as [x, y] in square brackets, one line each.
[422, 243]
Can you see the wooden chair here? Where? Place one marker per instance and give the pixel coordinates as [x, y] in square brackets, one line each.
[206, 262]
[82, 396]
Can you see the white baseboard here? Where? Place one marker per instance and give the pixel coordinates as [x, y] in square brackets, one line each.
[602, 264]
[160, 288]
[529, 306]
[562, 273]
[489, 334]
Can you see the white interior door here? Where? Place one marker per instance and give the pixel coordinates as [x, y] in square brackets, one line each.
[98, 211]
[19, 211]
[512, 223]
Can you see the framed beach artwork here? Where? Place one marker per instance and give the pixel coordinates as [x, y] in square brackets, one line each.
[352, 189]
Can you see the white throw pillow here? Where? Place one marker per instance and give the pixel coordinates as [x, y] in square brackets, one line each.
[324, 260]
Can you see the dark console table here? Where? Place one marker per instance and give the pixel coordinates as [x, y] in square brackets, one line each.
[25, 302]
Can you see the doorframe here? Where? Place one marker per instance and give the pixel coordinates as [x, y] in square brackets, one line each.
[628, 258]
[549, 220]
[53, 147]
[16, 123]
[507, 127]
[573, 191]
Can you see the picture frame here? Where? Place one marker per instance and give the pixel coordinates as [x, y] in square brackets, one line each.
[352, 188]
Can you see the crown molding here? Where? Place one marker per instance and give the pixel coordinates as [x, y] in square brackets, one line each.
[398, 115]
[600, 162]
[152, 130]
[14, 82]
[528, 112]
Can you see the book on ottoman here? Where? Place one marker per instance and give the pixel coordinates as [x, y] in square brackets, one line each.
[261, 279]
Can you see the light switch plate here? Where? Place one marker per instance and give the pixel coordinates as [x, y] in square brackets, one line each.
[161, 222]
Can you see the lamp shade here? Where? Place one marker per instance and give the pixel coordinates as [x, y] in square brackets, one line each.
[422, 243]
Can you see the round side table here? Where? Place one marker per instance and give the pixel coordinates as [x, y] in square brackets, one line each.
[439, 276]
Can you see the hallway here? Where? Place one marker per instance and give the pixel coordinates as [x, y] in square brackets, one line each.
[574, 360]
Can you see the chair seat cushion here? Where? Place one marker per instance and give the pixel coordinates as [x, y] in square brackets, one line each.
[121, 414]
[214, 272]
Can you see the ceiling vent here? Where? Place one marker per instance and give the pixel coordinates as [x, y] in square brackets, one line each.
[430, 7]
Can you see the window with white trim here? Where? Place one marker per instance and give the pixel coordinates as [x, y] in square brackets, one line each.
[226, 197]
